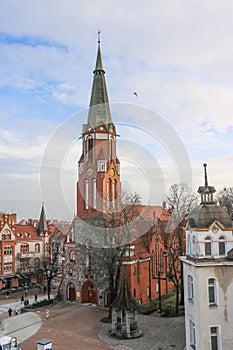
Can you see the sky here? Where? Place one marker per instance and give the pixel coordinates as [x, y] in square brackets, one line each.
[176, 55]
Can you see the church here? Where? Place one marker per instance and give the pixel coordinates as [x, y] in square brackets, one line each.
[99, 194]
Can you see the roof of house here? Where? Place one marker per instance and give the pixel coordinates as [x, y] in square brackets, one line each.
[25, 232]
[124, 300]
[205, 214]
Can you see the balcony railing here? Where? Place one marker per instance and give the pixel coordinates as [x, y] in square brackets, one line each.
[26, 255]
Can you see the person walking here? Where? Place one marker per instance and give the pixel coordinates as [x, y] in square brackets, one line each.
[22, 299]
[35, 298]
[10, 311]
[16, 311]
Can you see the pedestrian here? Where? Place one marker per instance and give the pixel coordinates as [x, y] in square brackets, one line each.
[10, 311]
[36, 298]
[25, 302]
[22, 299]
[16, 311]
[47, 314]
[7, 294]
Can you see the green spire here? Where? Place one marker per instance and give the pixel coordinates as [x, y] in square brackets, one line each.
[99, 63]
[99, 111]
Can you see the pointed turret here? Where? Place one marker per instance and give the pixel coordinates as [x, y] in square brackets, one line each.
[42, 228]
[99, 111]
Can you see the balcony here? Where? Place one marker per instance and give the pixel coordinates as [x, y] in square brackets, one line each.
[26, 255]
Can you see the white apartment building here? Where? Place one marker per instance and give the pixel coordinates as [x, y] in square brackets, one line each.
[208, 275]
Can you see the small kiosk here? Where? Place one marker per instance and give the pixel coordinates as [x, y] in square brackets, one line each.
[44, 344]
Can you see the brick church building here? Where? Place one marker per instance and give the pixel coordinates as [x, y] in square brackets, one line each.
[145, 261]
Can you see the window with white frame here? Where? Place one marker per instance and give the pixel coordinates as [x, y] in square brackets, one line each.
[214, 338]
[222, 246]
[72, 255]
[37, 248]
[188, 245]
[190, 288]
[8, 250]
[208, 246]
[212, 291]
[192, 335]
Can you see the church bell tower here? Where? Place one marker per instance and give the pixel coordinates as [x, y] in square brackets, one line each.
[98, 186]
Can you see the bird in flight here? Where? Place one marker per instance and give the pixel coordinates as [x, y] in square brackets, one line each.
[135, 94]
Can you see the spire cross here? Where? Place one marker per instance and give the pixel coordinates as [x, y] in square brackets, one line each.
[206, 181]
[98, 33]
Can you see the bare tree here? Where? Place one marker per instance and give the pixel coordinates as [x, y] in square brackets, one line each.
[119, 229]
[51, 265]
[181, 201]
[225, 198]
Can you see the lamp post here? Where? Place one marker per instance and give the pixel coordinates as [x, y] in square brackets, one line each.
[159, 285]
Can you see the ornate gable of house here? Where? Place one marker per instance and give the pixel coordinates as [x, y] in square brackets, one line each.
[7, 234]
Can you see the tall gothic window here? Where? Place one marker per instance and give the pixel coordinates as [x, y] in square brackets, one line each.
[153, 263]
[208, 246]
[86, 194]
[89, 148]
[222, 246]
[111, 149]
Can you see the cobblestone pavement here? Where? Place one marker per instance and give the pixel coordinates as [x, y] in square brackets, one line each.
[159, 333]
[73, 326]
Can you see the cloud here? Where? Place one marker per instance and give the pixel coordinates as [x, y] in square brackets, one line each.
[177, 55]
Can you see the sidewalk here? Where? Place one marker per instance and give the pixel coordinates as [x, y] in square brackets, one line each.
[70, 324]
[21, 326]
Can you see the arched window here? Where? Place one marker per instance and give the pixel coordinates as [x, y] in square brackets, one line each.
[37, 248]
[222, 246]
[86, 194]
[111, 149]
[190, 288]
[153, 263]
[72, 255]
[208, 246]
[212, 291]
[89, 148]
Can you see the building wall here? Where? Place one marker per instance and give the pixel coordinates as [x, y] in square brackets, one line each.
[200, 312]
